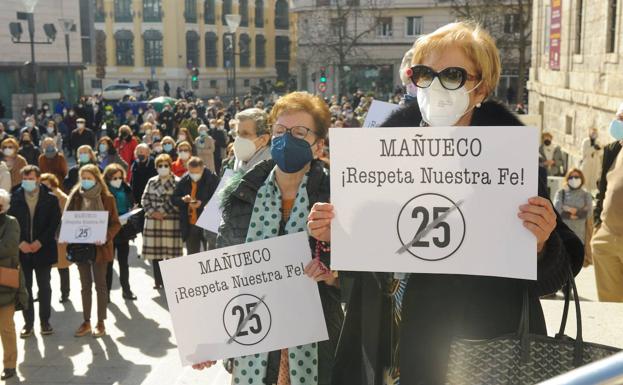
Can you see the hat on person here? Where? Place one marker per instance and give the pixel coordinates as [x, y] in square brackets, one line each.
[80, 120]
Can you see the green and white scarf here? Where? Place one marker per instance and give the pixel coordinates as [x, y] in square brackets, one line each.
[264, 224]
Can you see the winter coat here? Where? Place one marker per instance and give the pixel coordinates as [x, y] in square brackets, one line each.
[45, 223]
[205, 189]
[611, 152]
[237, 210]
[141, 173]
[18, 163]
[204, 148]
[126, 152]
[77, 139]
[5, 177]
[437, 308]
[105, 252]
[62, 247]
[110, 158]
[73, 176]
[9, 257]
[56, 165]
[30, 153]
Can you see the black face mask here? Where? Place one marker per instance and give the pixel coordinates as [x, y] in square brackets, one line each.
[547, 142]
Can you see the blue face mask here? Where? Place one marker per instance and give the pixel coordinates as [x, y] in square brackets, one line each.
[103, 148]
[291, 154]
[84, 158]
[616, 129]
[87, 184]
[168, 147]
[29, 185]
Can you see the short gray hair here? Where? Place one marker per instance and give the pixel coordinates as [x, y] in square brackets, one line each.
[5, 200]
[258, 116]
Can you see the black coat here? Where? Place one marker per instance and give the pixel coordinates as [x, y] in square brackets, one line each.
[46, 221]
[206, 188]
[237, 210]
[141, 172]
[73, 176]
[437, 308]
[611, 152]
[77, 139]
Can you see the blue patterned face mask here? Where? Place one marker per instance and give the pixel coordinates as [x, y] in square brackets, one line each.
[168, 147]
[616, 129]
[291, 154]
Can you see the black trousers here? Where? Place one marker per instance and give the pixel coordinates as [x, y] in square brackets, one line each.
[42, 274]
[64, 276]
[123, 250]
[157, 273]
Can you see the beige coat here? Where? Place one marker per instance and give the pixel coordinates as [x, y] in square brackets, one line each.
[62, 248]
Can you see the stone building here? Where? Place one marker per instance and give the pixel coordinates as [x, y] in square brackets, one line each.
[576, 78]
[164, 39]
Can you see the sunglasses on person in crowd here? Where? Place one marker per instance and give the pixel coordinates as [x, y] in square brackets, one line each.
[163, 166]
[451, 78]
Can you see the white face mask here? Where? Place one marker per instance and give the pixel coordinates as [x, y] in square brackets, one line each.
[244, 149]
[195, 177]
[184, 155]
[181, 138]
[162, 171]
[8, 151]
[50, 130]
[575, 183]
[115, 183]
[441, 107]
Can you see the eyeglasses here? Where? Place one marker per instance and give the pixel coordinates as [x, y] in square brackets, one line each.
[163, 166]
[299, 132]
[575, 177]
[451, 78]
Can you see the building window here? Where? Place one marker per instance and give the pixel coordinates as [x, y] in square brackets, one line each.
[152, 10]
[192, 49]
[209, 12]
[227, 10]
[579, 15]
[227, 50]
[153, 48]
[282, 17]
[100, 15]
[243, 10]
[414, 26]
[123, 10]
[246, 83]
[612, 26]
[511, 23]
[245, 50]
[124, 43]
[384, 27]
[211, 49]
[282, 48]
[213, 83]
[260, 51]
[259, 13]
[190, 11]
[338, 26]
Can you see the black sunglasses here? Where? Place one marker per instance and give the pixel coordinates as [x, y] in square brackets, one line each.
[451, 78]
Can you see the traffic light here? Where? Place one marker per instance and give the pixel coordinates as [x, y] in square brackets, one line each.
[195, 78]
[323, 75]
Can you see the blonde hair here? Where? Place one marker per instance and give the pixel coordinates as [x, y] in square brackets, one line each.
[112, 169]
[97, 174]
[304, 102]
[51, 179]
[475, 42]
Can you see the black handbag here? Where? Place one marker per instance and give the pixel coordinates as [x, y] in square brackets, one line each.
[81, 252]
[137, 221]
[524, 358]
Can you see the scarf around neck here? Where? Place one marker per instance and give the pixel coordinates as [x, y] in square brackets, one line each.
[91, 200]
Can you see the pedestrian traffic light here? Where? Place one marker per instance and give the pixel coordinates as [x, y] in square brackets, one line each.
[323, 75]
[195, 78]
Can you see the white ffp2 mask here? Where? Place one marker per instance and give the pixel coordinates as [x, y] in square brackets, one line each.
[442, 107]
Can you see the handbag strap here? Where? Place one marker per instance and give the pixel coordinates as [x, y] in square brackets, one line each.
[579, 342]
[524, 327]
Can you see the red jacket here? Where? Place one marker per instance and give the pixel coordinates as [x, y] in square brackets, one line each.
[126, 152]
[178, 168]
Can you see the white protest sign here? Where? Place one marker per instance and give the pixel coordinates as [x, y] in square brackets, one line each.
[244, 299]
[84, 227]
[210, 218]
[467, 182]
[378, 112]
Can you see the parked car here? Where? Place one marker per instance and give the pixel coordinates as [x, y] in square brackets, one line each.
[122, 91]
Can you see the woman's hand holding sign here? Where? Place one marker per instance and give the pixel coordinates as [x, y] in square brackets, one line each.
[319, 221]
[538, 216]
[203, 365]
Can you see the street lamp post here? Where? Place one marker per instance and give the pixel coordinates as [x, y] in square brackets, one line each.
[68, 26]
[233, 21]
[16, 33]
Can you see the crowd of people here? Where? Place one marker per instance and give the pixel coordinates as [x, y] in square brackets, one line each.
[161, 164]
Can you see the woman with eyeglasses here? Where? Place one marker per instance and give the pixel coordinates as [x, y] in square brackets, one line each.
[575, 206]
[162, 238]
[272, 199]
[403, 325]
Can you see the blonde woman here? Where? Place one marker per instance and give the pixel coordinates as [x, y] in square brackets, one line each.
[13, 160]
[92, 194]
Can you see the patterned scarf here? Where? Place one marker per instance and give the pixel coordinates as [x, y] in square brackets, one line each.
[265, 220]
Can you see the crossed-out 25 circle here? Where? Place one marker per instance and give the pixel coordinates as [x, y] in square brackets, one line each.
[258, 325]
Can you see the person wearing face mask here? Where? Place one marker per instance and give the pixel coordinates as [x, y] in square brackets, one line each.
[52, 160]
[161, 233]
[28, 150]
[191, 195]
[217, 132]
[550, 156]
[13, 160]
[81, 136]
[252, 143]
[110, 120]
[166, 118]
[184, 135]
[607, 241]
[12, 129]
[125, 145]
[37, 210]
[92, 194]
[204, 147]
[575, 206]
[592, 153]
[85, 155]
[51, 182]
[114, 175]
[287, 185]
[169, 147]
[32, 129]
[143, 168]
[107, 154]
[455, 69]
[51, 131]
[184, 152]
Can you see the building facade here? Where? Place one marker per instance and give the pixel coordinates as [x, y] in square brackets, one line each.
[164, 39]
[576, 78]
[55, 75]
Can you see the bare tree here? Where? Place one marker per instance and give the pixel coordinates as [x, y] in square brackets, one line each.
[510, 23]
[333, 32]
